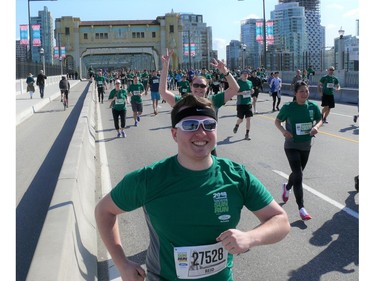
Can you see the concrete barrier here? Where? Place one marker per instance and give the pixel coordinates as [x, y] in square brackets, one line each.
[345, 95]
[67, 246]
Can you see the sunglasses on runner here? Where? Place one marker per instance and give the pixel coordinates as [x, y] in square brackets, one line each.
[192, 125]
[196, 85]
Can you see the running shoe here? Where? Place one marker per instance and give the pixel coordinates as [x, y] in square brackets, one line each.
[136, 123]
[355, 117]
[285, 193]
[235, 129]
[123, 134]
[247, 137]
[118, 134]
[138, 118]
[304, 214]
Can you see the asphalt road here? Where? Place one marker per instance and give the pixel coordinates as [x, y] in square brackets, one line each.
[324, 248]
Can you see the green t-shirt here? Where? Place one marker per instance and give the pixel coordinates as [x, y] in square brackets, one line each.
[245, 87]
[329, 84]
[144, 76]
[120, 102]
[100, 80]
[299, 121]
[188, 208]
[136, 90]
[184, 87]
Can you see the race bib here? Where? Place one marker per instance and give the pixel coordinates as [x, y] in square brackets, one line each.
[119, 101]
[184, 90]
[246, 94]
[200, 261]
[303, 128]
[136, 93]
[330, 85]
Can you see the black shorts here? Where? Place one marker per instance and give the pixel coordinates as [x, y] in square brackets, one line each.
[328, 100]
[137, 106]
[244, 110]
[256, 93]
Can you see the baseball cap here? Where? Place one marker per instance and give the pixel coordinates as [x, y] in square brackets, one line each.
[244, 71]
[117, 82]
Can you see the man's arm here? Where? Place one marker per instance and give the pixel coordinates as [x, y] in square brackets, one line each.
[106, 213]
[273, 228]
[320, 85]
[167, 95]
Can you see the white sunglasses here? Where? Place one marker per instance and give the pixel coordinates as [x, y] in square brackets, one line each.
[192, 125]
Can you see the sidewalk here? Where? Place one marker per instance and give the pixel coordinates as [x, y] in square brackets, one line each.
[26, 107]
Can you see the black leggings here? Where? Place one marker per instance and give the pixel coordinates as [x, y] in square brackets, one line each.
[116, 114]
[297, 161]
[274, 96]
[100, 94]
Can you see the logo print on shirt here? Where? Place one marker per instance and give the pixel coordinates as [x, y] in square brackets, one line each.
[221, 207]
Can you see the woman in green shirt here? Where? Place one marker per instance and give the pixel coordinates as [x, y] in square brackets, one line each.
[302, 122]
[119, 99]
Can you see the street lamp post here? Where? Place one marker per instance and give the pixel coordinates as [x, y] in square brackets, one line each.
[264, 35]
[341, 49]
[41, 52]
[243, 48]
[61, 65]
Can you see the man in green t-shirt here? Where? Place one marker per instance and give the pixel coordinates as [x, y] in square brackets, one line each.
[136, 90]
[192, 203]
[244, 102]
[326, 87]
[101, 84]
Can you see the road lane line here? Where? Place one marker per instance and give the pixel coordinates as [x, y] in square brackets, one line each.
[106, 183]
[324, 197]
[104, 169]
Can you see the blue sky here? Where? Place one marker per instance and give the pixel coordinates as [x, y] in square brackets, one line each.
[224, 16]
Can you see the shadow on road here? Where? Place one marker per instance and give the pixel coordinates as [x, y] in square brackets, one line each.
[342, 251]
[32, 209]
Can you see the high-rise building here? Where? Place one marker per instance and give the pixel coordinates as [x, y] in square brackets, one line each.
[197, 41]
[44, 19]
[315, 32]
[253, 48]
[290, 35]
[233, 51]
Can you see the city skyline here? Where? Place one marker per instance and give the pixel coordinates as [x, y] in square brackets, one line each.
[225, 23]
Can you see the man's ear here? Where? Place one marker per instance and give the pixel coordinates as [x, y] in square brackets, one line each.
[174, 134]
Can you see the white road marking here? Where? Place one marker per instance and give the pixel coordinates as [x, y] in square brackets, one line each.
[106, 187]
[324, 197]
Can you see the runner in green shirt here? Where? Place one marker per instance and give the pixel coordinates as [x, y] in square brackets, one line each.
[119, 99]
[192, 203]
[244, 102]
[326, 87]
[302, 121]
[136, 90]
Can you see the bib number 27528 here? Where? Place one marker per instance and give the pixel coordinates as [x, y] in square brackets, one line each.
[200, 261]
